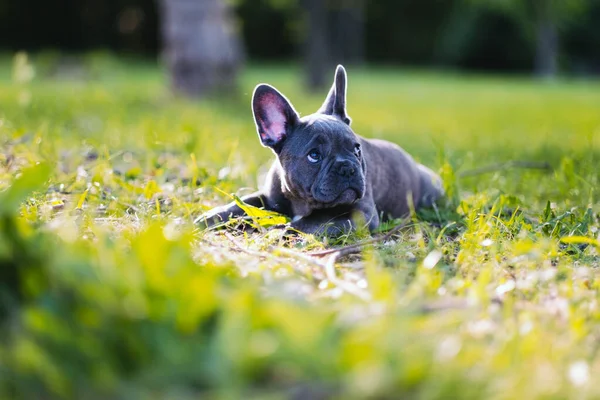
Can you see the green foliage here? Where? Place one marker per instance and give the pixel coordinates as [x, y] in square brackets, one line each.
[107, 290]
[261, 217]
[559, 11]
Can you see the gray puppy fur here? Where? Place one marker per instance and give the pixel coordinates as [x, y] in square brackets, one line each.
[325, 175]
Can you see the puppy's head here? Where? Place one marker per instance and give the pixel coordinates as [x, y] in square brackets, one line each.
[320, 156]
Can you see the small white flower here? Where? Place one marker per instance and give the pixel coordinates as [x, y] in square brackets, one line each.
[579, 373]
[224, 173]
[432, 259]
[525, 328]
[362, 284]
[81, 172]
[505, 287]
[449, 348]
[487, 242]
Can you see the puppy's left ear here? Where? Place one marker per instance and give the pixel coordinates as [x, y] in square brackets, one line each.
[335, 103]
[274, 115]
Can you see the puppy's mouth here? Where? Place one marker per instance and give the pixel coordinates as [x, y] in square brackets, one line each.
[348, 196]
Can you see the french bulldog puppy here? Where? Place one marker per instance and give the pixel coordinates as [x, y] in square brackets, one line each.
[325, 175]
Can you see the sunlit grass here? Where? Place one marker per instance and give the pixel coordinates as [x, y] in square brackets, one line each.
[108, 290]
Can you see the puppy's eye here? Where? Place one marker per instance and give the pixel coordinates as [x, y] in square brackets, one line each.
[357, 152]
[314, 156]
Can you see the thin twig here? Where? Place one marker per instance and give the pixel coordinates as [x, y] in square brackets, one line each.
[342, 284]
[356, 247]
[243, 249]
[265, 255]
[506, 165]
[291, 253]
[328, 267]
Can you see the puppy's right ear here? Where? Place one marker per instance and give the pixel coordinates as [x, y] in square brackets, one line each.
[274, 115]
[335, 103]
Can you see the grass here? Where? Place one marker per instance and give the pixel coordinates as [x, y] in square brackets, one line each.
[107, 290]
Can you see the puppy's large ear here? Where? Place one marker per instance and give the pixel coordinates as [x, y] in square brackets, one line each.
[335, 103]
[274, 115]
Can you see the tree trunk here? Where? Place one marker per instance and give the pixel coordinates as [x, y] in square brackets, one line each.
[316, 45]
[348, 31]
[200, 46]
[335, 34]
[546, 58]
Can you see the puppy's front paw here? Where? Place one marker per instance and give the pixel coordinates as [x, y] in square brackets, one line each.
[212, 219]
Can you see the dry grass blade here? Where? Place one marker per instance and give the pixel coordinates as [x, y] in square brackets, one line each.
[342, 284]
[270, 255]
[328, 267]
[357, 247]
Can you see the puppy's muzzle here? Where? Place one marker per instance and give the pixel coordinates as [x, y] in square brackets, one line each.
[345, 169]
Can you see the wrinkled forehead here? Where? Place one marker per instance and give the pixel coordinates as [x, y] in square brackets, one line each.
[327, 126]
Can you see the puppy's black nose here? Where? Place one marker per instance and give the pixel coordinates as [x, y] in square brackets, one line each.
[346, 169]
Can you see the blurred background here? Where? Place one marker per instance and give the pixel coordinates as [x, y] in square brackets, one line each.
[206, 43]
[108, 291]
